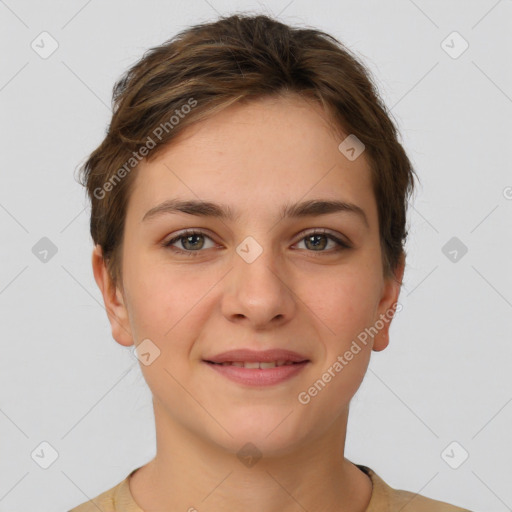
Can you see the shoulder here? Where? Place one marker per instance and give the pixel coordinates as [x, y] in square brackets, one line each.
[106, 502]
[387, 499]
[407, 501]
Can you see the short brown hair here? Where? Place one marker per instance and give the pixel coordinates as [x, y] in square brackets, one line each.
[236, 58]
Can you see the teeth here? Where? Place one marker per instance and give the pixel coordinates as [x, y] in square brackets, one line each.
[255, 364]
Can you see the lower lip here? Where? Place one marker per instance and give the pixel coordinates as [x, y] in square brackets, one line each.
[258, 376]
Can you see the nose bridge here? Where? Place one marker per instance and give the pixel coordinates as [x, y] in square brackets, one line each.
[257, 288]
[256, 264]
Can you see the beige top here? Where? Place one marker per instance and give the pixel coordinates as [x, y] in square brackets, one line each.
[383, 499]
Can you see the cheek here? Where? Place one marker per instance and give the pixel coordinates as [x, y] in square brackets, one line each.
[165, 301]
[344, 301]
[345, 310]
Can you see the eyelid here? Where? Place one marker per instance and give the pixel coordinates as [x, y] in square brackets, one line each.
[323, 231]
[187, 232]
[341, 241]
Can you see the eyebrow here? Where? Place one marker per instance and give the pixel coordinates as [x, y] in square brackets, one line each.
[201, 208]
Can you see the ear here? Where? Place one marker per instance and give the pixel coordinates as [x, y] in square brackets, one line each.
[112, 297]
[387, 306]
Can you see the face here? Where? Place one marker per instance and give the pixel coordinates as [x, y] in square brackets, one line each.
[307, 283]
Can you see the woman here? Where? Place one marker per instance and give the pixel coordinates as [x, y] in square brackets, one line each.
[248, 214]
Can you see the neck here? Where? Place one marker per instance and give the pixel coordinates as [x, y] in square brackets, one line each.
[190, 472]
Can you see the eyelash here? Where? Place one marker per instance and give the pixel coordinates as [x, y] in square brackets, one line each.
[184, 234]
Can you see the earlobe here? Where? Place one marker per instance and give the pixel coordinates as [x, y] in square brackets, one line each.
[115, 307]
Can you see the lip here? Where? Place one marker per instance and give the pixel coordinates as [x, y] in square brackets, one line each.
[263, 356]
[258, 376]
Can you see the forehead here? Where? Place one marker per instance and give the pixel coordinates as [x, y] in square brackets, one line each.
[258, 155]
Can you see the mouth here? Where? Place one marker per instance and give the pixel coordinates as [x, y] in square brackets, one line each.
[262, 365]
[258, 373]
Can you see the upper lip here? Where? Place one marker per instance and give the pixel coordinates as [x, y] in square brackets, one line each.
[257, 356]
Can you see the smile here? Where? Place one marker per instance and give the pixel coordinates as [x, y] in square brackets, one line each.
[254, 373]
[255, 364]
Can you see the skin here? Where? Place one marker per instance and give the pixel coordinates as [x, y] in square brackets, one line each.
[253, 157]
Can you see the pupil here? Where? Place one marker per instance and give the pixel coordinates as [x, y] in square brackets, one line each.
[189, 238]
[317, 243]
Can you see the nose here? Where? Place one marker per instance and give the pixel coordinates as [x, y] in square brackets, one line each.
[258, 293]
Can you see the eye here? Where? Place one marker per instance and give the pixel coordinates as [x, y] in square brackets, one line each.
[319, 238]
[192, 241]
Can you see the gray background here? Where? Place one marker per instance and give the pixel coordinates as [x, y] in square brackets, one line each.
[445, 376]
